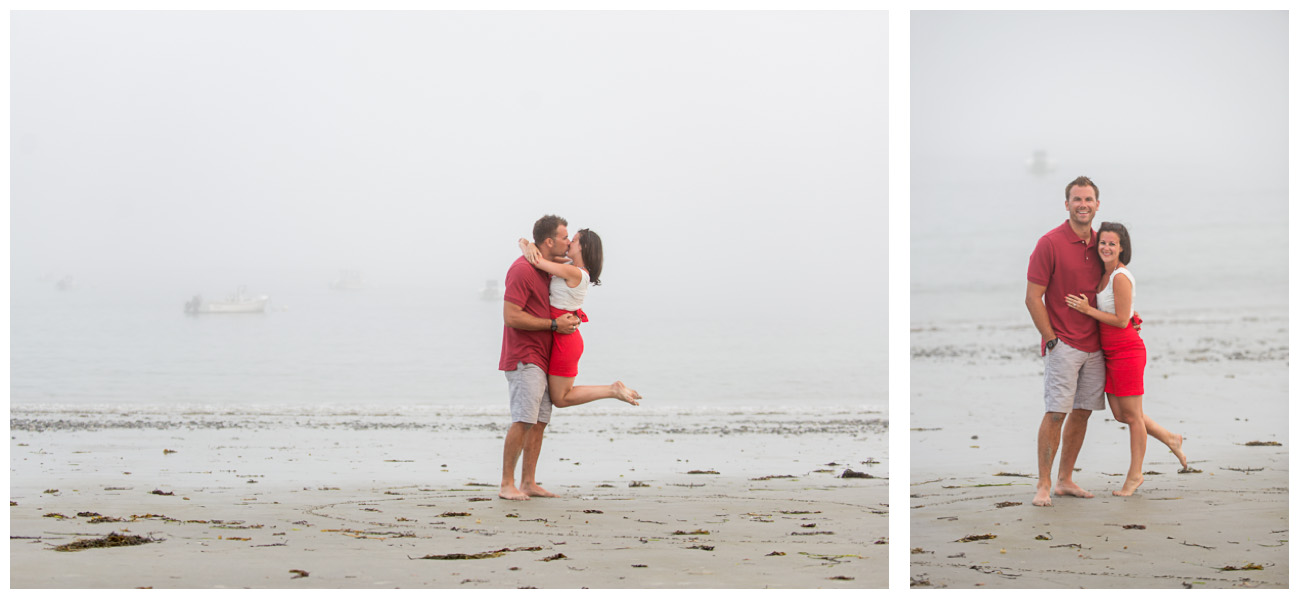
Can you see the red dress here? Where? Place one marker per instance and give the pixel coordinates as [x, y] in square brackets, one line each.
[566, 348]
[1126, 358]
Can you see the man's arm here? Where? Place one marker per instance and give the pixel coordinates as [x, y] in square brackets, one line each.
[517, 318]
[1038, 310]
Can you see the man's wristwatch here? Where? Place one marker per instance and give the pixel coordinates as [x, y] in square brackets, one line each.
[1050, 343]
[553, 325]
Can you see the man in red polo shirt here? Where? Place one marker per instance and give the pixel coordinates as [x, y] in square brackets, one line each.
[525, 352]
[1065, 262]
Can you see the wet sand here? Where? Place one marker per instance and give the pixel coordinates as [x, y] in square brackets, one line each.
[371, 500]
[1220, 382]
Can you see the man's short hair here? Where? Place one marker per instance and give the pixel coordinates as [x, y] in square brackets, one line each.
[1083, 180]
[546, 227]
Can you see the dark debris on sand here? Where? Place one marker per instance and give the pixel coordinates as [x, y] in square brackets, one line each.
[490, 554]
[112, 540]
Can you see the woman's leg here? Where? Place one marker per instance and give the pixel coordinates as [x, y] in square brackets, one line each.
[1173, 440]
[1131, 407]
[564, 394]
[1115, 409]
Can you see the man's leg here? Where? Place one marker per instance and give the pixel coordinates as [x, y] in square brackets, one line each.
[532, 450]
[515, 443]
[1076, 427]
[530, 410]
[1049, 438]
[1089, 396]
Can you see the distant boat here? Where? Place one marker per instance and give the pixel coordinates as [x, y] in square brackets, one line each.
[240, 302]
[491, 291]
[1039, 163]
[348, 280]
[65, 284]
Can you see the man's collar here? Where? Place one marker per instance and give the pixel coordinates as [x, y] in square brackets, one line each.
[1068, 231]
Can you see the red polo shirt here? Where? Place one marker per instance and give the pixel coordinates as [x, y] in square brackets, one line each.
[530, 289]
[1068, 265]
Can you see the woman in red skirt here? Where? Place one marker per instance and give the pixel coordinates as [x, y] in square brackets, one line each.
[569, 284]
[1126, 354]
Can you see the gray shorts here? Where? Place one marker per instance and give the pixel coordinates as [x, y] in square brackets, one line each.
[530, 400]
[1073, 379]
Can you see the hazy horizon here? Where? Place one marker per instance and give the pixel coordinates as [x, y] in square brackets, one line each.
[734, 163]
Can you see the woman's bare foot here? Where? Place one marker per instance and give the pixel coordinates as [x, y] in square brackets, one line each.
[1177, 449]
[536, 490]
[1130, 486]
[510, 492]
[1043, 497]
[626, 394]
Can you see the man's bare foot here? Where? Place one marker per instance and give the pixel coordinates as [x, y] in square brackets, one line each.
[1130, 486]
[537, 490]
[510, 492]
[626, 394]
[1177, 449]
[1070, 488]
[1043, 497]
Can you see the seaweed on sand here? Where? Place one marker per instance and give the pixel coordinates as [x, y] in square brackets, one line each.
[112, 540]
[976, 538]
[490, 554]
[851, 474]
[1248, 567]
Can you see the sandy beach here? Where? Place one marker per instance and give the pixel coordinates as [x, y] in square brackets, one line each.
[1219, 381]
[375, 499]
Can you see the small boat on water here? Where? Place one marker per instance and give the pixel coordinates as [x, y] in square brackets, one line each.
[239, 302]
[491, 291]
[1039, 163]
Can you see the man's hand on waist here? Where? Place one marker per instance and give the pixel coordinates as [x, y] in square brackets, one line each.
[566, 323]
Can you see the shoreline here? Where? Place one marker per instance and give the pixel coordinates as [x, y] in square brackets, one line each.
[977, 403]
[356, 502]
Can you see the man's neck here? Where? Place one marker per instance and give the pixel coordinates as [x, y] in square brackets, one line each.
[1084, 232]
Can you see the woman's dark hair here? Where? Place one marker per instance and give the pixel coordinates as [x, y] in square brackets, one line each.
[593, 254]
[1119, 230]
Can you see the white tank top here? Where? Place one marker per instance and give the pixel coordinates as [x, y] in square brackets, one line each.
[1106, 297]
[569, 298]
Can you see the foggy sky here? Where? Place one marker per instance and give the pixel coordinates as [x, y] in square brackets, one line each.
[717, 148]
[1180, 118]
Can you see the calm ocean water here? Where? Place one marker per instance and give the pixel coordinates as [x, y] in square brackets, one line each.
[972, 237]
[129, 343]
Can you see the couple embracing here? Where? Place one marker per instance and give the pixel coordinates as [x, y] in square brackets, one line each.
[1088, 348]
[540, 346]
